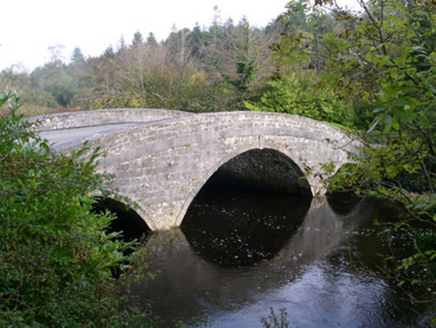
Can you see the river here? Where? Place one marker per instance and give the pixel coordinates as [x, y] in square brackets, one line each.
[243, 259]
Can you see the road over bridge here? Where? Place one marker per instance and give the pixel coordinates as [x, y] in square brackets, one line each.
[161, 158]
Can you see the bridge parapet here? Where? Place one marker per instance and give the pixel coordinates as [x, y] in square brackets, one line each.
[72, 120]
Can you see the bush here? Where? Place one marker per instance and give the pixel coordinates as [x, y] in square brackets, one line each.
[56, 258]
[299, 94]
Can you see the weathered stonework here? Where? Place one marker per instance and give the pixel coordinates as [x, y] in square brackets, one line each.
[161, 159]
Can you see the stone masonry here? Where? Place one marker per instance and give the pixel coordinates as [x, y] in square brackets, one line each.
[161, 158]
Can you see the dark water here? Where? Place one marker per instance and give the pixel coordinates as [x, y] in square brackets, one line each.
[237, 256]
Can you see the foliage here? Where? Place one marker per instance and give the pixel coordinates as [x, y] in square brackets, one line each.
[300, 95]
[203, 69]
[56, 260]
[384, 56]
[240, 60]
[54, 81]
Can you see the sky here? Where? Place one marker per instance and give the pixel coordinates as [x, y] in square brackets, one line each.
[28, 28]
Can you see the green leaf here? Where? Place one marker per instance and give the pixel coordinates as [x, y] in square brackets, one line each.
[391, 89]
[374, 125]
[376, 60]
[423, 120]
[405, 101]
[387, 119]
[387, 129]
[402, 113]
[396, 123]
[4, 99]
[379, 109]
[384, 96]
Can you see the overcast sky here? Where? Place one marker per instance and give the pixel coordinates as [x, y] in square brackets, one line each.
[29, 27]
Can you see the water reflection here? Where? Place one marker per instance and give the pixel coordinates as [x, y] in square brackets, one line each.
[235, 259]
[242, 234]
[323, 296]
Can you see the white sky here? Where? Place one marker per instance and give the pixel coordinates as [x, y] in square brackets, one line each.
[29, 27]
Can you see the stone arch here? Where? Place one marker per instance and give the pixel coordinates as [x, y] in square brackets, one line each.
[135, 218]
[277, 177]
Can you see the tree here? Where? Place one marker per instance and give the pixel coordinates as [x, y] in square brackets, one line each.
[151, 40]
[195, 41]
[138, 41]
[211, 69]
[178, 46]
[77, 56]
[298, 93]
[54, 80]
[237, 58]
[56, 53]
[384, 56]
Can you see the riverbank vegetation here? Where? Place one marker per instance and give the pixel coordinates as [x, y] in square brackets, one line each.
[370, 71]
[385, 57]
[381, 60]
[57, 260]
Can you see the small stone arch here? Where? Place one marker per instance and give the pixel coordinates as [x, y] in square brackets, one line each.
[137, 208]
[260, 168]
[128, 219]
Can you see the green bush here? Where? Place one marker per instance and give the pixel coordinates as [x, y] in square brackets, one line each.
[40, 98]
[300, 94]
[56, 258]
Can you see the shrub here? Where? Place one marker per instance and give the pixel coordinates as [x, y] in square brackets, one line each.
[299, 94]
[56, 258]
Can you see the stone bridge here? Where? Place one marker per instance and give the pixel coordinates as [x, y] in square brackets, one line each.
[161, 158]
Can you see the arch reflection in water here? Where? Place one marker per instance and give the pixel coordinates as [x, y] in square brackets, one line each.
[190, 285]
[234, 229]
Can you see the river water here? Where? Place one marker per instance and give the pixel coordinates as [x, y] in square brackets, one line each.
[242, 258]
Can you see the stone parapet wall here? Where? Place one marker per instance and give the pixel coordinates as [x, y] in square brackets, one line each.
[103, 117]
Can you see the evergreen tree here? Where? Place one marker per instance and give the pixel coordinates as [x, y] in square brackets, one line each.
[151, 40]
[138, 41]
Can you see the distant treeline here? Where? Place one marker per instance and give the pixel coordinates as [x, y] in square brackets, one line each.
[222, 67]
[211, 69]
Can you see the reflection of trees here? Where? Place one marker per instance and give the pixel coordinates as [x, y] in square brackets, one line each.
[189, 284]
